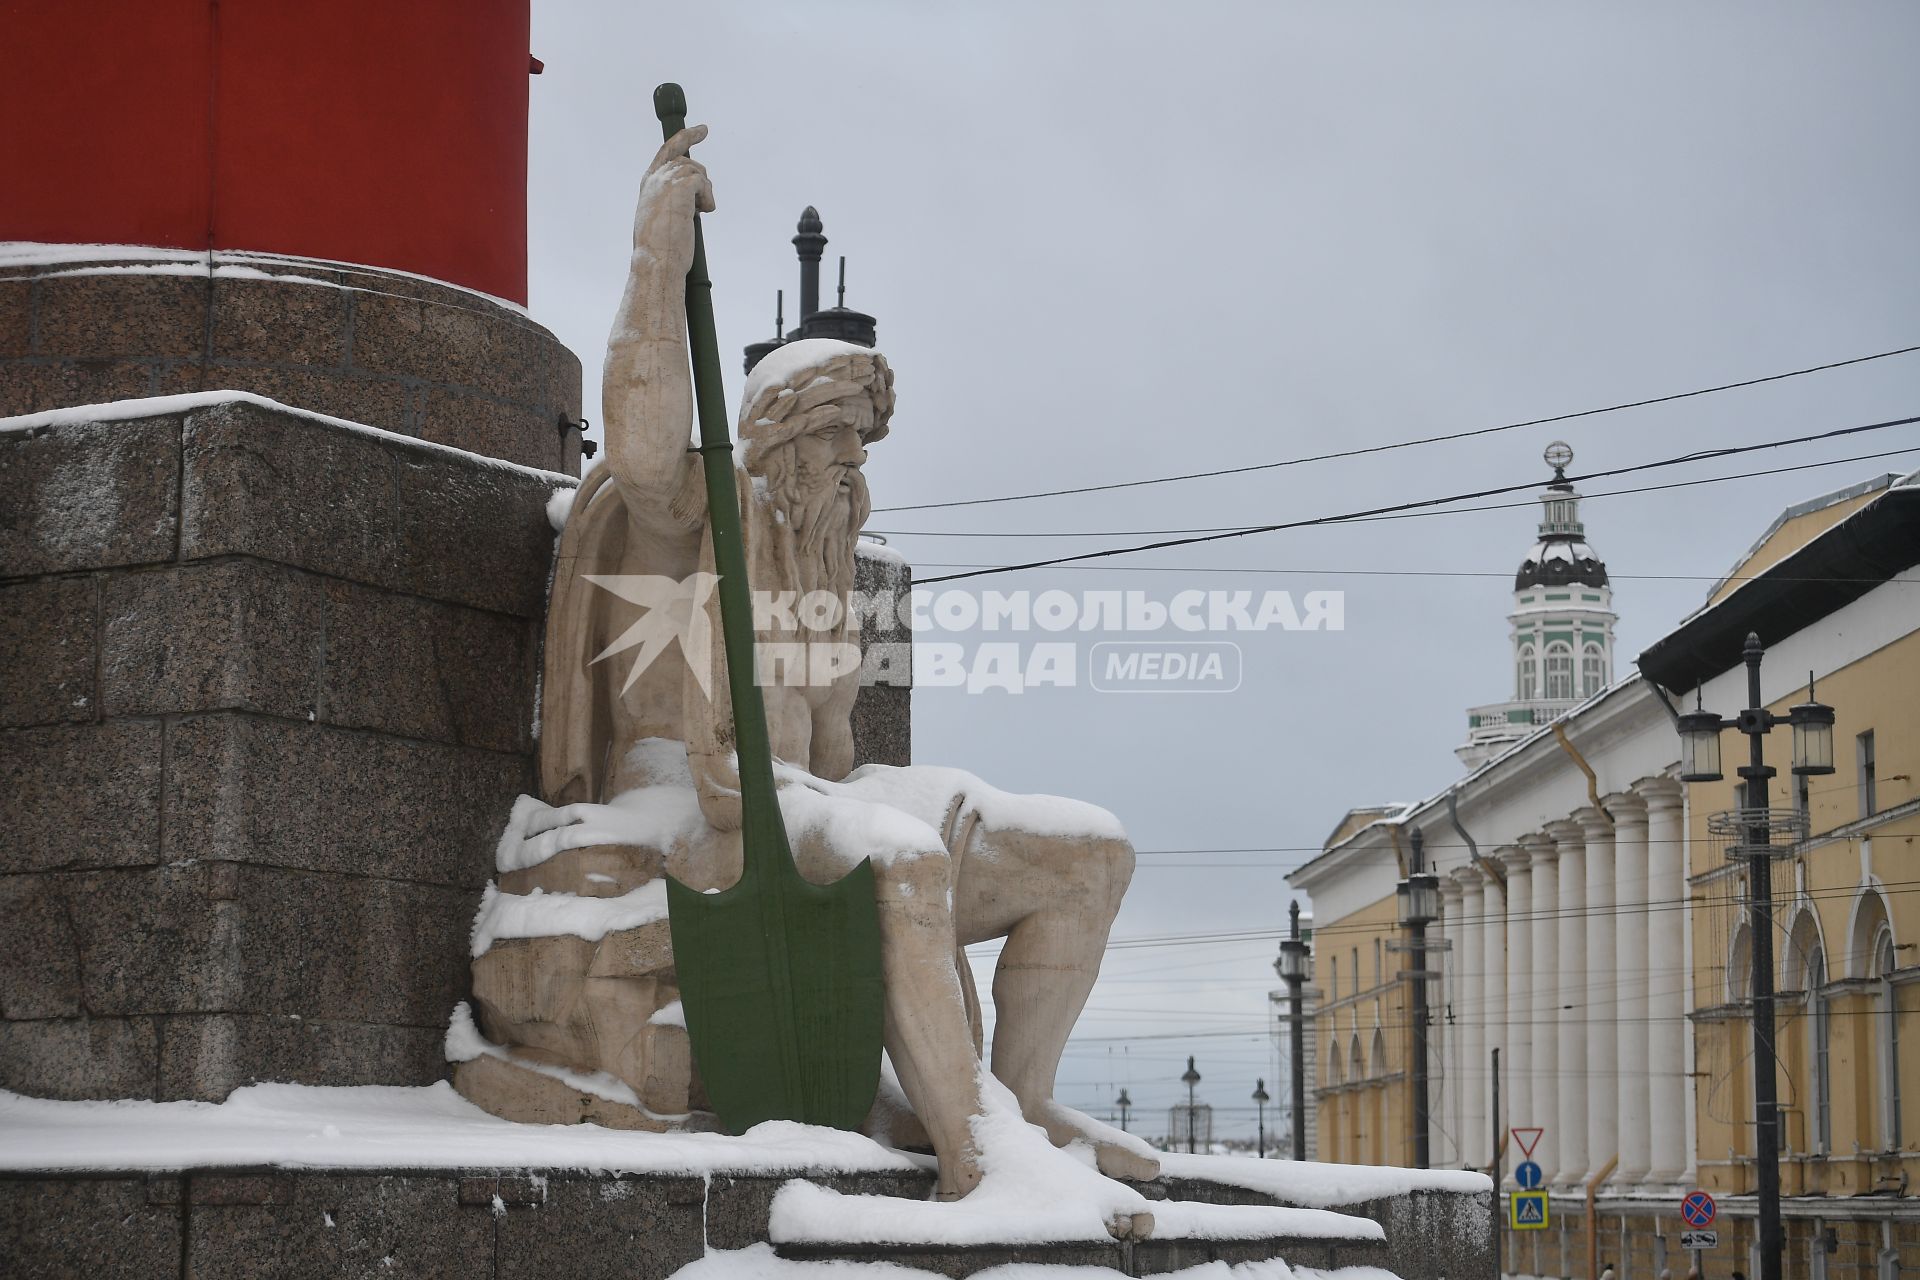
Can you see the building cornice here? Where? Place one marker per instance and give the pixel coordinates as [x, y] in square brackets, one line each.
[1835, 568]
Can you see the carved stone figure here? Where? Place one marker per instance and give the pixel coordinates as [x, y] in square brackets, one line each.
[636, 770]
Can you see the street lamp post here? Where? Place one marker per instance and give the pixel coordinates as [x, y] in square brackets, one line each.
[1755, 827]
[1419, 897]
[1292, 968]
[1260, 1100]
[1125, 1104]
[1190, 1079]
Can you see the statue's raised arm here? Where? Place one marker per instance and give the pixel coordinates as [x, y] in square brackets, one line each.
[646, 390]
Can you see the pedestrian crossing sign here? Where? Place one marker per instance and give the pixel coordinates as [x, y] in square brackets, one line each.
[1527, 1210]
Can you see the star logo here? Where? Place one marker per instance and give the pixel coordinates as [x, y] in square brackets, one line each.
[674, 611]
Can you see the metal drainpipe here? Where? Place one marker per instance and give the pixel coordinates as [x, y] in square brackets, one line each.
[1593, 782]
[1486, 865]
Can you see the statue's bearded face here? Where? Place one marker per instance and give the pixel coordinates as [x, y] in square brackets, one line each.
[817, 487]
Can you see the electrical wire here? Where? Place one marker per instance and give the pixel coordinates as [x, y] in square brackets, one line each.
[1424, 503]
[1449, 573]
[1409, 444]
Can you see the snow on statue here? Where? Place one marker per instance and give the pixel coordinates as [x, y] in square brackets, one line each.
[636, 769]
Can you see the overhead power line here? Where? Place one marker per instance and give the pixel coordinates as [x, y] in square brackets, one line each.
[1491, 506]
[1423, 503]
[1409, 444]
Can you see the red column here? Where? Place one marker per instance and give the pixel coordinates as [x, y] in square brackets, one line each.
[355, 130]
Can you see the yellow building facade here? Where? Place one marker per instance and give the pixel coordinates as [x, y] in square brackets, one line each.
[1598, 935]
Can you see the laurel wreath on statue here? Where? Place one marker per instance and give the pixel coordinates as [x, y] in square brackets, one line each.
[782, 411]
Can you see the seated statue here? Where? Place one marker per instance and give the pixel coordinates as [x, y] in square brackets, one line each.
[636, 768]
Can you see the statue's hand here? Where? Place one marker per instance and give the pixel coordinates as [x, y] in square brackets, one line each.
[676, 186]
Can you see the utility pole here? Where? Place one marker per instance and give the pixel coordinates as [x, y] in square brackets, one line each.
[1292, 967]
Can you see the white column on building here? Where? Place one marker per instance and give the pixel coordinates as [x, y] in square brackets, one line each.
[1493, 952]
[1517, 934]
[1542, 960]
[1603, 984]
[1666, 980]
[1469, 1084]
[1569, 930]
[1631, 1094]
[1444, 1133]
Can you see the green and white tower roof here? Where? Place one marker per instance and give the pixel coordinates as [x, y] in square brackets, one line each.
[1560, 629]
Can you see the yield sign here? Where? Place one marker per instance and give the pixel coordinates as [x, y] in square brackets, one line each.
[1527, 1139]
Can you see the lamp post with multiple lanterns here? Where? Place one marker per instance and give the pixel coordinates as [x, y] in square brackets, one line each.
[1757, 831]
[1292, 968]
[1190, 1078]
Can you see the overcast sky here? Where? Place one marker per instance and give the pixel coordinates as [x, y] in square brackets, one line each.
[1109, 241]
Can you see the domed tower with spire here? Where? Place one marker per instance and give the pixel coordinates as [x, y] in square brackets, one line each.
[1561, 627]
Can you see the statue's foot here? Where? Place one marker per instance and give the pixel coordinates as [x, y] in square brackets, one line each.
[1117, 1154]
[1130, 1226]
[954, 1183]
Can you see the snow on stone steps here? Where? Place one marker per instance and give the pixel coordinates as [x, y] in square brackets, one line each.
[1032, 1192]
[1320, 1186]
[760, 1262]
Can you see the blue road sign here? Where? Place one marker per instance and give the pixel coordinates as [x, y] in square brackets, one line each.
[1527, 1175]
[1527, 1210]
[1698, 1209]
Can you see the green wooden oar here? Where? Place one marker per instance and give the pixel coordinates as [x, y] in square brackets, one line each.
[779, 977]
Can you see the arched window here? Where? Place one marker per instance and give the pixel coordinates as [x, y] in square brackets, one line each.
[1356, 1065]
[1889, 1020]
[1526, 685]
[1740, 967]
[1803, 968]
[1593, 671]
[1333, 1061]
[1379, 1052]
[1559, 671]
[1863, 943]
[1819, 1055]
[1871, 956]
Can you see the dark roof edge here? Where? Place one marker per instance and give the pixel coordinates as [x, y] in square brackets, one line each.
[1833, 570]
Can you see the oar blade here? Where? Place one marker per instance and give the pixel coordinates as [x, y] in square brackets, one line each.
[784, 1003]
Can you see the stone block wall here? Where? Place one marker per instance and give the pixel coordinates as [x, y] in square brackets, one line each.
[562, 1224]
[390, 350]
[266, 697]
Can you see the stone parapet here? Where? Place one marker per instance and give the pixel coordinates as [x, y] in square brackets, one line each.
[266, 698]
[378, 347]
[493, 1224]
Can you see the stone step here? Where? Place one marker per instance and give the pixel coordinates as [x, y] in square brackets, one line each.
[1125, 1257]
